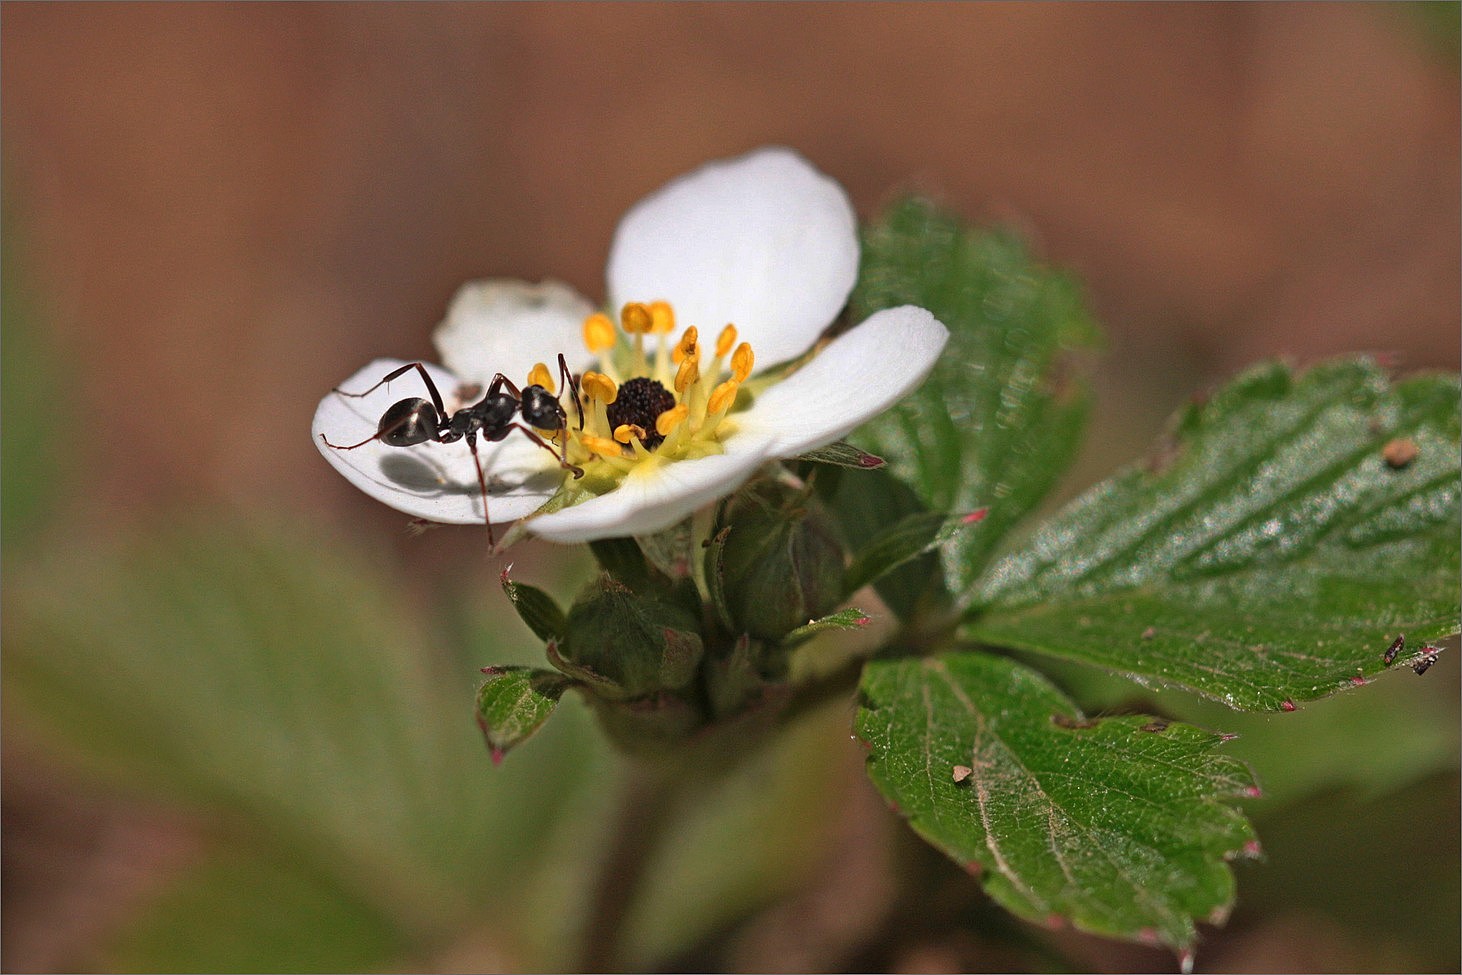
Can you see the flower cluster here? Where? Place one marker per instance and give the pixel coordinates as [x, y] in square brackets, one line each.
[707, 365]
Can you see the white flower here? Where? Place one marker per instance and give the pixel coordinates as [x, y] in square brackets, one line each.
[723, 281]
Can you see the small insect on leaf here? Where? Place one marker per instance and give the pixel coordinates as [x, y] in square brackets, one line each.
[962, 772]
[1396, 647]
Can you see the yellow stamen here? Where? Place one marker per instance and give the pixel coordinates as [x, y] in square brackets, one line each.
[540, 376]
[671, 419]
[598, 332]
[688, 374]
[598, 386]
[725, 340]
[603, 446]
[662, 318]
[686, 346]
[626, 432]
[741, 362]
[636, 319]
[723, 396]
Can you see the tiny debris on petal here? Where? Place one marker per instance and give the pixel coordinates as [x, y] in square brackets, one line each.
[962, 772]
[1287, 705]
[1254, 792]
[1358, 681]
[1400, 452]
[497, 757]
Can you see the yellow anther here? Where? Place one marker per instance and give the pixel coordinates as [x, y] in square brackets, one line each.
[540, 376]
[723, 396]
[671, 419]
[741, 362]
[598, 332]
[602, 446]
[662, 318]
[626, 432]
[725, 340]
[598, 386]
[686, 346]
[636, 319]
[688, 374]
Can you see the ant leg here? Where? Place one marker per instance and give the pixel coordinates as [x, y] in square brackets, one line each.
[499, 381]
[578, 472]
[431, 387]
[482, 485]
[567, 378]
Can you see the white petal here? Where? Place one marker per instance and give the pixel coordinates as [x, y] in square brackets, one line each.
[654, 498]
[508, 326]
[434, 481]
[856, 377]
[764, 241]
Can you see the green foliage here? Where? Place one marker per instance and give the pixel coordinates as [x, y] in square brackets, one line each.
[998, 420]
[259, 679]
[1267, 553]
[1117, 825]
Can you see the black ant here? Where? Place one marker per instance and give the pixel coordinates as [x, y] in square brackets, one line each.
[415, 421]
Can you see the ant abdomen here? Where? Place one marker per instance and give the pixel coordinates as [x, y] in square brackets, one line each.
[408, 423]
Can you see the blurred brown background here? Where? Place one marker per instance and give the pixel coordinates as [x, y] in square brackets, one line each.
[227, 208]
[216, 212]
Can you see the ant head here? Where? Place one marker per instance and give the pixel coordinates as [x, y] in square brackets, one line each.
[542, 409]
[408, 423]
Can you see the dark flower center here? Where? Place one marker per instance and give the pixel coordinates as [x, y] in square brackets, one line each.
[640, 403]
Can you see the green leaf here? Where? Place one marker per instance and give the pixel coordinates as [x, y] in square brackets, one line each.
[514, 702]
[843, 454]
[536, 608]
[1267, 553]
[999, 419]
[1118, 825]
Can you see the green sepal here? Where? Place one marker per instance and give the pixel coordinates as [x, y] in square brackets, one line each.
[513, 703]
[630, 642]
[535, 607]
[843, 454]
[851, 618]
[903, 541]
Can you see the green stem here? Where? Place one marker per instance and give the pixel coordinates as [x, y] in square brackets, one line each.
[649, 799]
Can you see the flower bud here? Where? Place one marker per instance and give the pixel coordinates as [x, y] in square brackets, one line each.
[780, 564]
[626, 643]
